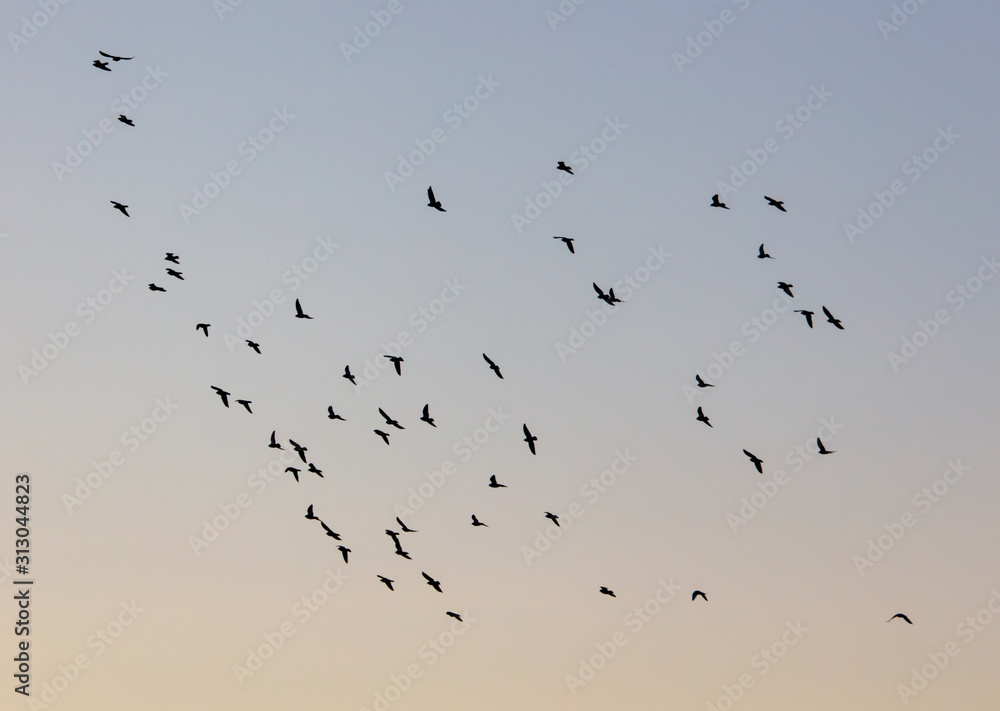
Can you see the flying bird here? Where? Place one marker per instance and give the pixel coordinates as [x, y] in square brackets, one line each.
[203, 327]
[494, 484]
[223, 394]
[529, 438]
[605, 591]
[716, 203]
[389, 420]
[347, 374]
[822, 449]
[255, 346]
[780, 204]
[831, 319]
[299, 313]
[477, 522]
[315, 470]
[610, 299]
[436, 584]
[330, 532]
[274, 442]
[333, 415]
[171, 257]
[553, 518]
[807, 314]
[154, 287]
[761, 254]
[101, 65]
[125, 120]
[344, 550]
[901, 616]
[455, 615]
[787, 288]
[383, 435]
[698, 593]
[176, 274]
[426, 417]
[568, 241]
[299, 449]
[396, 361]
[564, 167]
[113, 57]
[246, 404]
[310, 515]
[121, 208]
[701, 383]
[756, 461]
[404, 527]
[432, 202]
[493, 366]
[703, 418]
[295, 473]
[388, 583]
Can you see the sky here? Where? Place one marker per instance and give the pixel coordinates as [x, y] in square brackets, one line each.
[284, 153]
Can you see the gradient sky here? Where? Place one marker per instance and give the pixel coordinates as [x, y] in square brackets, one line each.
[797, 580]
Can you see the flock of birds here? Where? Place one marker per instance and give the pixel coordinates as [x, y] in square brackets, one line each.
[389, 422]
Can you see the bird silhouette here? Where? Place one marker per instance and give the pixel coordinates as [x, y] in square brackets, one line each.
[553, 518]
[389, 420]
[702, 418]
[493, 366]
[562, 166]
[822, 449]
[436, 584]
[756, 461]
[494, 484]
[299, 313]
[101, 65]
[432, 201]
[716, 203]
[701, 383]
[295, 473]
[274, 442]
[388, 583]
[123, 209]
[610, 299]
[455, 615]
[333, 415]
[698, 593]
[299, 449]
[203, 327]
[477, 522]
[568, 241]
[901, 616]
[176, 274]
[315, 470]
[761, 254]
[396, 361]
[807, 314]
[426, 416]
[347, 374]
[780, 204]
[383, 435]
[113, 58]
[255, 346]
[787, 288]
[831, 319]
[329, 531]
[310, 515]
[171, 257]
[529, 438]
[404, 528]
[125, 120]
[605, 591]
[154, 287]
[246, 404]
[344, 550]
[223, 394]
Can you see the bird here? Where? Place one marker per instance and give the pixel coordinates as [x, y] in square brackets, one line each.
[383, 435]
[402, 554]
[389, 420]
[606, 591]
[203, 327]
[274, 442]
[807, 314]
[822, 449]
[310, 515]
[393, 535]
[831, 319]
[299, 449]
[388, 583]
[529, 438]
[787, 288]
[295, 473]
[125, 120]
[333, 415]
[404, 528]
[154, 287]
[113, 57]
[436, 584]
[255, 346]
[426, 416]
[396, 361]
[716, 203]
[176, 274]
[761, 254]
[455, 615]
[780, 204]
[568, 241]
[432, 202]
[315, 470]
[171, 257]
[553, 518]
[494, 484]
[703, 418]
[299, 313]
[610, 299]
[223, 394]
[701, 383]
[477, 522]
[901, 616]
[347, 374]
[330, 532]
[756, 461]
[101, 65]
[123, 209]
[698, 593]
[493, 366]
[344, 550]
[563, 166]
[246, 404]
